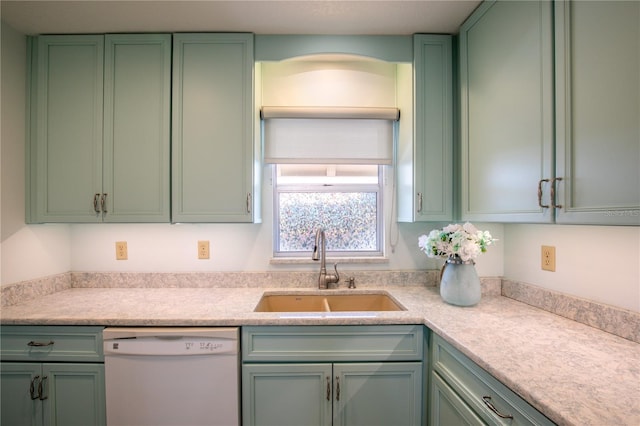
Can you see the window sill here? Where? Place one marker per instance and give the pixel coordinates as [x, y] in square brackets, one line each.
[330, 260]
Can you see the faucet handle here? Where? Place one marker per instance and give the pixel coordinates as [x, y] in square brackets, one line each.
[335, 268]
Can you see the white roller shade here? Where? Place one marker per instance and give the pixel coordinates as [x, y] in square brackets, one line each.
[328, 140]
[374, 113]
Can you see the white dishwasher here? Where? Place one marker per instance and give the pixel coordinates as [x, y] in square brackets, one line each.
[172, 376]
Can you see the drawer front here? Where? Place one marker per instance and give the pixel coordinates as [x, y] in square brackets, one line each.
[486, 395]
[332, 343]
[51, 343]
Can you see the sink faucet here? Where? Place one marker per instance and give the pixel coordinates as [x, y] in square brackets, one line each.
[319, 253]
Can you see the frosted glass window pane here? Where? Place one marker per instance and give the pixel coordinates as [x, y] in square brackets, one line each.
[348, 218]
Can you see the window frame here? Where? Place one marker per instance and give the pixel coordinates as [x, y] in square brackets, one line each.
[378, 189]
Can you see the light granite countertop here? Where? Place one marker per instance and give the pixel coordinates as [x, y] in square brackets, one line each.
[573, 373]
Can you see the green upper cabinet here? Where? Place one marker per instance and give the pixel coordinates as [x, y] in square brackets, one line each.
[213, 125]
[506, 87]
[598, 112]
[545, 143]
[137, 105]
[99, 129]
[65, 152]
[425, 162]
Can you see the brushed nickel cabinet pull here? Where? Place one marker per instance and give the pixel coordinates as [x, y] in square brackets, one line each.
[95, 203]
[32, 388]
[41, 395]
[488, 403]
[553, 193]
[337, 388]
[249, 202]
[544, 206]
[419, 209]
[103, 203]
[328, 388]
[40, 344]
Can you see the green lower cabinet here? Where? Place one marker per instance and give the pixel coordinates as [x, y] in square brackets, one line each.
[17, 383]
[51, 376]
[332, 375]
[286, 394]
[447, 408]
[463, 393]
[52, 394]
[344, 394]
[384, 393]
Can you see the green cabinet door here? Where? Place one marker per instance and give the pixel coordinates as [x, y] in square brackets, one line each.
[213, 124]
[52, 394]
[425, 162]
[348, 394]
[598, 112]
[99, 128]
[506, 88]
[446, 408]
[137, 103]
[18, 384]
[386, 394]
[286, 394]
[75, 394]
[65, 115]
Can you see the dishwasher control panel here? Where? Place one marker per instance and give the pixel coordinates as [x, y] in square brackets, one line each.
[161, 342]
[166, 346]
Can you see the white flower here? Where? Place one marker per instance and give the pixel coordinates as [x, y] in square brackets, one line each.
[464, 241]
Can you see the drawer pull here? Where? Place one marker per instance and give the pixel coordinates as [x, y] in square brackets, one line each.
[488, 403]
[40, 344]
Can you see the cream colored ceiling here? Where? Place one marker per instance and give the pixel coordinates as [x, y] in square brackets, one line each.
[260, 17]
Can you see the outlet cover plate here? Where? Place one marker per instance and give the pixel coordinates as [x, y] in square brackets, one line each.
[548, 258]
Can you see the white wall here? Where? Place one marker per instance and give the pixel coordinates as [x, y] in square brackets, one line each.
[240, 247]
[27, 252]
[599, 263]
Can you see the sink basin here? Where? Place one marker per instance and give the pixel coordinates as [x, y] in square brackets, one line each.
[314, 302]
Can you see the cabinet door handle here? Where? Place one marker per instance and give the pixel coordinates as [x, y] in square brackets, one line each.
[544, 206]
[488, 403]
[40, 344]
[337, 388]
[328, 388]
[41, 395]
[32, 388]
[103, 203]
[419, 209]
[249, 202]
[553, 193]
[95, 203]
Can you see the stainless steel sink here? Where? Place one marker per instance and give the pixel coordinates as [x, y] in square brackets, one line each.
[318, 302]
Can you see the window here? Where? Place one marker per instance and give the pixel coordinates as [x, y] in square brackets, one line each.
[345, 200]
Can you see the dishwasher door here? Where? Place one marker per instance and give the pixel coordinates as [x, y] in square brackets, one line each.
[172, 376]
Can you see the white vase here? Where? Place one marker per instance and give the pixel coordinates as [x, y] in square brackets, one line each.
[459, 282]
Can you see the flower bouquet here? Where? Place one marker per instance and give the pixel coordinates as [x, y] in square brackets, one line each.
[460, 245]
